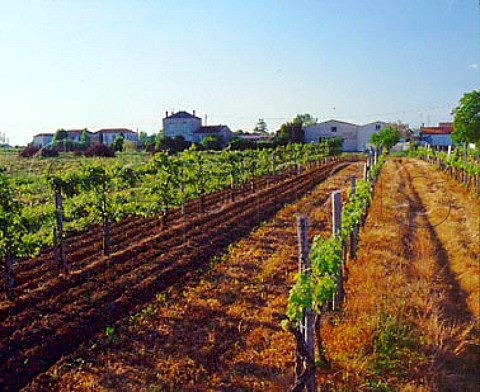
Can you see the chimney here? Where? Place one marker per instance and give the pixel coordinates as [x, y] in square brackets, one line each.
[205, 120]
[193, 112]
[166, 113]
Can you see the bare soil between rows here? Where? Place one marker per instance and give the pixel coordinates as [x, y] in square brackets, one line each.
[53, 317]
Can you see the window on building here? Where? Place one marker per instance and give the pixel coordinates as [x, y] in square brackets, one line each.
[377, 127]
[333, 129]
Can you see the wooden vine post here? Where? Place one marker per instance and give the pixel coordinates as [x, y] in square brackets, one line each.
[336, 224]
[242, 175]
[9, 282]
[354, 235]
[273, 166]
[305, 363]
[182, 190]
[60, 254]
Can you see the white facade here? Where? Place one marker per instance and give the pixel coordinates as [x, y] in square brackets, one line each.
[182, 124]
[109, 135]
[366, 131]
[334, 128]
[42, 139]
[355, 137]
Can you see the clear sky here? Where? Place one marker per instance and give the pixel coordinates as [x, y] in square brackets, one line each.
[76, 64]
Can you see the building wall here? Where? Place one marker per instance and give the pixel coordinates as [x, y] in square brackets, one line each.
[348, 132]
[42, 141]
[185, 127]
[366, 131]
[438, 140]
[109, 137]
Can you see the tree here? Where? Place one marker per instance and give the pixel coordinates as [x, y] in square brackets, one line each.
[290, 132]
[261, 126]
[118, 143]
[305, 120]
[387, 137]
[60, 135]
[237, 143]
[212, 142]
[85, 139]
[466, 120]
[142, 139]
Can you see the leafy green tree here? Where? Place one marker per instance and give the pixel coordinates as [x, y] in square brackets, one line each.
[387, 137]
[60, 138]
[118, 143]
[305, 120]
[239, 144]
[85, 139]
[212, 142]
[60, 135]
[142, 139]
[290, 132]
[466, 120]
[261, 126]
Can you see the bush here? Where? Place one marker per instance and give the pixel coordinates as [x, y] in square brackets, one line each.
[29, 151]
[49, 152]
[100, 151]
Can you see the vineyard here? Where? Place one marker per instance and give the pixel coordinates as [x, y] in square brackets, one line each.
[55, 312]
[265, 270]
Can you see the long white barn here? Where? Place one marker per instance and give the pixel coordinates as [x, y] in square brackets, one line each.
[355, 137]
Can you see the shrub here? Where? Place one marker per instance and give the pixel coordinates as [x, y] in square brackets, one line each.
[100, 151]
[29, 151]
[49, 152]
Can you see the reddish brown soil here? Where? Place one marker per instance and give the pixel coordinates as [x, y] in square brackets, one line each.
[54, 314]
[220, 331]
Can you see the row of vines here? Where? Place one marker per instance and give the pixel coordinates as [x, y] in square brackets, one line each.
[461, 164]
[75, 199]
[318, 286]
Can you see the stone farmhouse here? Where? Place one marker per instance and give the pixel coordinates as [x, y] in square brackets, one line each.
[102, 136]
[355, 137]
[190, 127]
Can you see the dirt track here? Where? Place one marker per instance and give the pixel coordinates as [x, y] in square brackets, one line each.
[58, 314]
[411, 319]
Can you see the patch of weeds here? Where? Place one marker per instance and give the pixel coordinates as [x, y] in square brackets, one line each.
[75, 363]
[149, 311]
[111, 335]
[378, 385]
[161, 297]
[393, 349]
[132, 319]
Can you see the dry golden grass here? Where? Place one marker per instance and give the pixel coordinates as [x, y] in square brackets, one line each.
[410, 321]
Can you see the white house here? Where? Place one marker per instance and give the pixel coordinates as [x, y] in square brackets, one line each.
[103, 136]
[334, 128]
[181, 124]
[107, 136]
[42, 139]
[189, 126]
[366, 131]
[355, 137]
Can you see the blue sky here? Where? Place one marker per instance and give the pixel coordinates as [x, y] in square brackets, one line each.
[76, 64]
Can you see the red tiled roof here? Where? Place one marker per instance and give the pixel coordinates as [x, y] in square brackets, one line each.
[436, 130]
